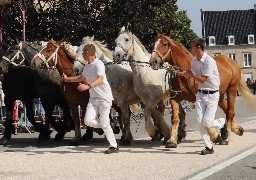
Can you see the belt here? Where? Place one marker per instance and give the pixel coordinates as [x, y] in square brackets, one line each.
[207, 91]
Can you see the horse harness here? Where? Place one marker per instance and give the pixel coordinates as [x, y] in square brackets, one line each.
[16, 56]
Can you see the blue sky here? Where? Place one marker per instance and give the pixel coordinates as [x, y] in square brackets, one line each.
[193, 9]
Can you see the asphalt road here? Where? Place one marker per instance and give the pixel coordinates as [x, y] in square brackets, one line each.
[24, 158]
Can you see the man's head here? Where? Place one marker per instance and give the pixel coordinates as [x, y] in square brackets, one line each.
[197, 47]
[89, 51]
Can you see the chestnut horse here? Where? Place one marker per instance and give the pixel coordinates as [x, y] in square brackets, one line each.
[53, 56]
[231, 80]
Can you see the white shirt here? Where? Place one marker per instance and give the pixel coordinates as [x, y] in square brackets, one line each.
[91, 72]
[207, 66]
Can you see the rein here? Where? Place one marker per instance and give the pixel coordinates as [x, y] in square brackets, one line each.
[45, 61]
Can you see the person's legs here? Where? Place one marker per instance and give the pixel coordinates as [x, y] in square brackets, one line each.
[90, 118]
[200, 109]
[104, 110]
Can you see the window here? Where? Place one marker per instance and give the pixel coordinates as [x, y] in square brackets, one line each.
[212, 41]
[247, 59]
[216, 54]
[231, 40]
[232, 56]
[251, 39]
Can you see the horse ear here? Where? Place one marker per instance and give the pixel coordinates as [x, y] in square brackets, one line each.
[156, 32]
[168, 32]
[129, 27]
[122, 30]
[92, 38]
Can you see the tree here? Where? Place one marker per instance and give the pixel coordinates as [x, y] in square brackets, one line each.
[73, 19]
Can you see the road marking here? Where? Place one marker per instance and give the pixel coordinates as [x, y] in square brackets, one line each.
[224, 164]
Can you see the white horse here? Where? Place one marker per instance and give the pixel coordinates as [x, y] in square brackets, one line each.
[149, 84]
[121, 82]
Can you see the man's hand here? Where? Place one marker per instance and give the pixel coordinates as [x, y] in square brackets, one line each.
[186, 73]
[83, 87]
[64, 77]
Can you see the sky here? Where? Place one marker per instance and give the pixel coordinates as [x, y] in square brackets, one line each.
[193, 9]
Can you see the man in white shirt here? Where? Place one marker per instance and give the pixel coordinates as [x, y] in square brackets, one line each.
[94, 78]
[204, 70]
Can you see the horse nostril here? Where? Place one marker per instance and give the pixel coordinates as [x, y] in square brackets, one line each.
[155, 62]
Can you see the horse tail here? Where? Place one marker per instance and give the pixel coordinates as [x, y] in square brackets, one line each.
[135, 108]
[246, 93]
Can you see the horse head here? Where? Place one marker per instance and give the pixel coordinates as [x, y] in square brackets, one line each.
[4, 65]
[168, 50]
[124, 45]
[52, 56]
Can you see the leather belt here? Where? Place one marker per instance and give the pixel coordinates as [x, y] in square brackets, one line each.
[207, 91]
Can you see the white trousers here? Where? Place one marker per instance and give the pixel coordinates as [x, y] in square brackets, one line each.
[97, 116]
[206, 107]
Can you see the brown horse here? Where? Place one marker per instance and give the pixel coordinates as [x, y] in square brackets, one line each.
[231, 80]
[53, 56]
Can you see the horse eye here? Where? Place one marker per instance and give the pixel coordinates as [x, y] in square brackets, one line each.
[126, 39]
[165, 44]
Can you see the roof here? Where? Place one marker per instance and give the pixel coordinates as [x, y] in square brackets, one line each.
[221, 24]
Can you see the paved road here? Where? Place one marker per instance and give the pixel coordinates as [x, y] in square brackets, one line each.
[25, 159]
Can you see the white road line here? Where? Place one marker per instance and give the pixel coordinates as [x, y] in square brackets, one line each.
[224, 164]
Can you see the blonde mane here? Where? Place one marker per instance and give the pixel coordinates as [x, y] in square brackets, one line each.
[100, 45]
[138, 42]
[182, 47]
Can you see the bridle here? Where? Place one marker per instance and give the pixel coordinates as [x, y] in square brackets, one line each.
[163, 57]
[54, 56]
[128, 50]
[16, 56]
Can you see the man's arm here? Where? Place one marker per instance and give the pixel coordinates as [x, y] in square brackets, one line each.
[201, 79]
[79, 78]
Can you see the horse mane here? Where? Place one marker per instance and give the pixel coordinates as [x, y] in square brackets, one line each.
[173, 42]
[100, 45]
[139, 43]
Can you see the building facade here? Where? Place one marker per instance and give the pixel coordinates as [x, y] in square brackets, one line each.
[232, 33]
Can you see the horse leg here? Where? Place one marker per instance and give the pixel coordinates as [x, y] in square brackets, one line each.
[181, 129]
[173, 141]
[160, 119]
[30, 114]
[114, 121]
[76, 120]
[9, 102]
[126, 137]
[67, 124]
[48, 108]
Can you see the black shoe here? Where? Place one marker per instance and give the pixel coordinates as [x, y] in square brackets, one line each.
[207, 151]
[112, 150]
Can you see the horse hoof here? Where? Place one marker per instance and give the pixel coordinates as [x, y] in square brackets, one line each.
[116, 130]
[241, 131]
[223, 143]
[4, 141]
[98, 130]
[171, 145]
[59, 136]
[218, 140]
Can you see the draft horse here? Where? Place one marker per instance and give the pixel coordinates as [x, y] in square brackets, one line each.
[53, 55]
[231, 80]
[31, 83]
